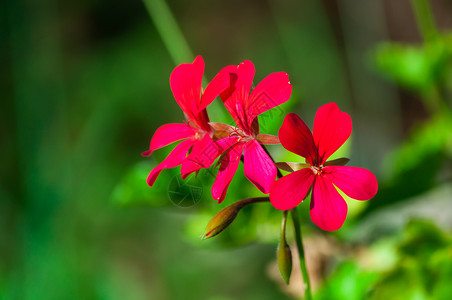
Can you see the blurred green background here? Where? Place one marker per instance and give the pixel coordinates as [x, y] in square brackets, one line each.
[84, 85]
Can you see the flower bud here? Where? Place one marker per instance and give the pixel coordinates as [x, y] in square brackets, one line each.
[285, 261]
[225, 216]
[284, 253]
[221, 220]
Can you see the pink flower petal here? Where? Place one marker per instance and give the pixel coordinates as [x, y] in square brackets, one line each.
[328, 208]
[296, 137]
[258, 166]
[274, 90]
[169, 133]
[174, 159]
[185, 82]
[288, 191]
[202, 121]
[332, 128]
[203, 154]
[357, 183]
[228, 167]
[218, 84]
[227, 142]
[235, 98]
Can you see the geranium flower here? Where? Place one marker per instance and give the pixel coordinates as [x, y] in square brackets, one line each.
[244, 107]
[185, 82]
[328, 209]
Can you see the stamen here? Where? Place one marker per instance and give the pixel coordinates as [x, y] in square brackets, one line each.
[317, 170]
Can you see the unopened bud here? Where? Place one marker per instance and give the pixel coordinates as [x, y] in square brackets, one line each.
[225, 216]
[285, 261]
[284, 253]
[220, 221]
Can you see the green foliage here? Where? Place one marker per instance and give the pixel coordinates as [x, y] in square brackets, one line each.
[416, 68]
[84, 85]
[416, 162]
[133, 190]
[421, 270]
[348, 281]
[424, 265]
[433, 138]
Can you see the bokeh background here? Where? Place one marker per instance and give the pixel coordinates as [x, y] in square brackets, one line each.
[84, 85]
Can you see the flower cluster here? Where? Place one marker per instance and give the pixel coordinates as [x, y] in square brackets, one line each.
[203, 142]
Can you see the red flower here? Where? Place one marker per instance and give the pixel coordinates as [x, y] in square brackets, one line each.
[331, 129]
[185, 81]
[244, 107]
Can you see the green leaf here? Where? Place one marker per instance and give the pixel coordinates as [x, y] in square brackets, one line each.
[406, 65]
[411, 168]
[416, 68]
[348, 282]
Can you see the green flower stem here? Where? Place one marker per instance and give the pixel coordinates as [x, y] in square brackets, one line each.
[247, 201]
[425, 20]
[283, 225]
[169, 31]
[299, 240]
[175, 42]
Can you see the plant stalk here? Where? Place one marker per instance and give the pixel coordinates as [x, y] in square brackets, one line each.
[299, 241]
[425, 20]
[169, 31]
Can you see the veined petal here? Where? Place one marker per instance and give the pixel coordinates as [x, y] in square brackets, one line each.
[328, 208]
[228, 167]
[357, 183]
[202, 121]
[202, 155]
[174, 159]
[235, 98]
[332, 128]
[273, 90]
[169, 133]
[185, 82]
[258, 166]
[218, 84]
[225, 145]
[296, 137]
[227, 142]
[288, 191]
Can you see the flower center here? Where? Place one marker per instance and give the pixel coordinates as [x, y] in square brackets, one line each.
[317, 170]
[199, 135]
[238, 132]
